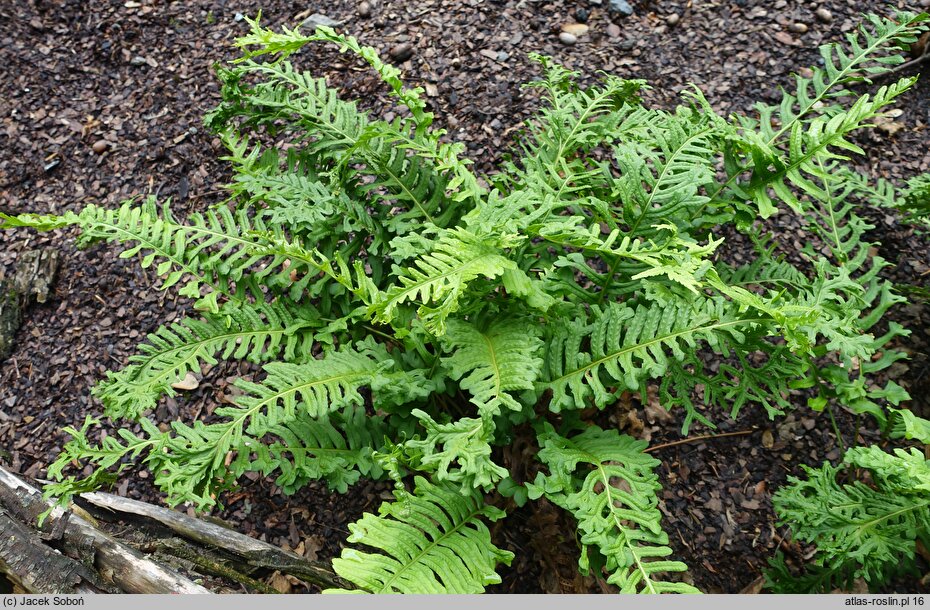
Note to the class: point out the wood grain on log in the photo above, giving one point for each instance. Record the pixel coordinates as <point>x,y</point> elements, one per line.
<point>36,568</point>
<point>254,553</point>
<point>33,277</point>
<point>124,567</point>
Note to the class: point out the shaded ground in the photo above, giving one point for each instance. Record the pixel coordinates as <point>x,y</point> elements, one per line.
<point>103,101</point>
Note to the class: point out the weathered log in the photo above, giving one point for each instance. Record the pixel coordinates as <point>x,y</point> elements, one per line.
<point>125,568</point>
<point>255,554</point>
<point>35,273</point>
<point>10,317</point>
<point>33,277</point>
<point>36,568</point>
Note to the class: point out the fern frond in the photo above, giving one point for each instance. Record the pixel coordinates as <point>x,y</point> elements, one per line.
<point>871,527</point>
<point>458,451</point>
<point>811,145</point>
<point>606,481</point>
<point>661,181</point>
<point>573,122</point>
<point>438,280</point>
<point>628,345</point>
<point>874,48</point>
<point>253,333</point>
<point>667,253</point>
<point>430,541</point>
<point>194,463</point>
<point>215,250</point>
<point>338,448</point>
<point>493,362</point>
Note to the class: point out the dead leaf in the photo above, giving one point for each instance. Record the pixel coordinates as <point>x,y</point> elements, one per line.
<point>754,588</point>
<point>632,425</point>
<point>312,546</point>
<point>280,582</point>
<point>188,383</point>
<point>652,409</point>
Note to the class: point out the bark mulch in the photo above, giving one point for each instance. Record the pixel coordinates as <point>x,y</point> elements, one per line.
<point>102,101</point>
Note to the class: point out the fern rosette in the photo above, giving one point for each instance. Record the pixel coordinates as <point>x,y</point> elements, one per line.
<point>408,318</point>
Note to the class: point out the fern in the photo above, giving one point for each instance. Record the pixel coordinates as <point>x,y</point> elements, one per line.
<point>411,318</point>
<point>866,529</point>
<point>629,345</point>
<point>245,332</point>
<point>492,362</point>
<point>430,541</point>
<point>614,500</point>
<point>441,278</point>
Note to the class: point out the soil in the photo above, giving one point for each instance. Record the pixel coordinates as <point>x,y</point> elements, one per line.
<point>102,101</point>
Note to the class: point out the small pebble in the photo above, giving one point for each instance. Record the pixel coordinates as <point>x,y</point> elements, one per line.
<point>925,3</point>
<point>672,19</point>
<point>582,15</point>
<point>824,15</point>
<point>798,28</point>
<point>364,9</point>
<point>401,52</point>
<point>567,38</point>
<point>613,30</point>
<point>99,146</point>
<point>620,6</point>
<point>138,60</point>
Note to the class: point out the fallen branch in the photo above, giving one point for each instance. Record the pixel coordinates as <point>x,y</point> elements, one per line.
<point>123,567</point>
<point>34,567</point>
<point>254,553</point>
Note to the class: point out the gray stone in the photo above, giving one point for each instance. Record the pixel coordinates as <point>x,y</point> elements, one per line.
<point>317,19</point>
<point>620,6</point>
<point>672,20</point>
<point>798,28</point>
<point>567,38</point>
<point>613,30</point>
<point>364,9</point>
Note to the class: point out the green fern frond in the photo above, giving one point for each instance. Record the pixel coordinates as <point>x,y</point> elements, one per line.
<point>490,363</point>
<point>439,279</point>
<point>458,451</point>
<point>811,145</point>
<point>660,182</point>
<point>338,448</point>
<point>194,463</point>
<point>606,481</point>
<point>873,49</point>
<point>253,333</point>
<point>431,541</point>
<point>628,345</point>
<point>667,253</point>
<point>873,528</point>
<point>215,250</point>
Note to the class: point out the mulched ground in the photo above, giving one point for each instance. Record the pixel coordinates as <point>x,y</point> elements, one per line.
<point>102,101</point>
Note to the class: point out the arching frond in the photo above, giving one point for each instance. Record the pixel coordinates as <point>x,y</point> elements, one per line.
<point>430,541</point>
